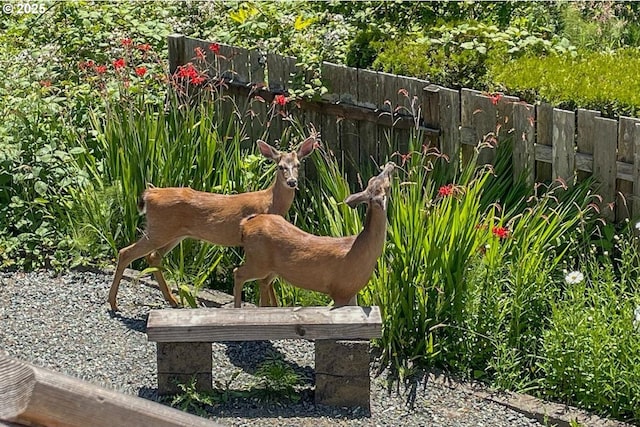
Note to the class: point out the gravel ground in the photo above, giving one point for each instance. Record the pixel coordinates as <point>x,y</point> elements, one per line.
<point>63,323</point>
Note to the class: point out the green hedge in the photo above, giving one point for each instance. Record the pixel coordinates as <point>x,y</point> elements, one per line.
<point>600,81</point>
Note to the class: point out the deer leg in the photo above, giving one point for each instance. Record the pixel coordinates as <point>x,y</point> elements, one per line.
<point>125,257</point>
<point>155,260</point>
<point>241,275</point>
<point>267,294</point>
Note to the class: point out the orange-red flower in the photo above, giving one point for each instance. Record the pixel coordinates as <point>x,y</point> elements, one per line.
<point>119,63</point>
<point>126,42</point>
<point>500,232</point>
<point>100,69</point>
<point>280,100</point>
<point>199,53</point>
<point>144,47</point>
<point>495,98</point>
<point>197,80</point>
<point>446,190</point>
<point>141,71</point>
<point>215,48</point>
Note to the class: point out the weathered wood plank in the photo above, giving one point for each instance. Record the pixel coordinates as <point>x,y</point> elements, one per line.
<point>624,193</point>
<point>562,150</point>
<point>367,96</point>
<point>175,44</point>
<point>584,138</point>
<point>478,118</point>
<point>524,142</point>
<point>35,396</point>
<point>584,162</point>
<point>604,164</point>
<point>544,132</point>
<point>343,82</point>
<point>256,324</point>
<point>330,123</point>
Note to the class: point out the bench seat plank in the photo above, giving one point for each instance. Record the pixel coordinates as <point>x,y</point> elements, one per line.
<point>262,323</point>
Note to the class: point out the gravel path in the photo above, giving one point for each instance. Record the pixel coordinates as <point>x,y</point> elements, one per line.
<point>63,324</point>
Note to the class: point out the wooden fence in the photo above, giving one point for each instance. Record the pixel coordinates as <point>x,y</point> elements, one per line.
<point>366,116</point>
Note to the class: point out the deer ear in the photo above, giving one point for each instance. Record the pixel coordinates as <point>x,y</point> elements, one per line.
<point>268,151</point>
<point>355,199</point>
<point>306,147</point>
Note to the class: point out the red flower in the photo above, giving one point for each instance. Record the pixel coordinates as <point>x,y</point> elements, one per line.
<point>144,47</point>
<point>45,83</point>
<point>126,42</point>
<point>500,232</point>
<point>141,71</point>
<point>187,71</point>
<point>495,98</point>
<point>280,100</point>
<point>199,53</point>
<point>215,48</point>
<point>197,80</point>
<point>100,69</point>
<point>446,190</point>
<point>119,63</point>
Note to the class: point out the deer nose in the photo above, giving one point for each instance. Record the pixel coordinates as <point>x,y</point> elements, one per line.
<point>292,183</point>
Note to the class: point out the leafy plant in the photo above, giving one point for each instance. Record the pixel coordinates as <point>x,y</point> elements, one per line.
<point>277,381</point>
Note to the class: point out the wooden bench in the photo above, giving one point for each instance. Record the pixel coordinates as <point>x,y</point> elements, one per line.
<point>341,337</point>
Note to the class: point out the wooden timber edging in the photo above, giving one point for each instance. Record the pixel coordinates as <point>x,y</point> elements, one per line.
<point>367,115</point>
<point>30,395</point>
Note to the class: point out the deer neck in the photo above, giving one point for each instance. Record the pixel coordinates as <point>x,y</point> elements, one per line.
<point>368,245</point>
<point>281,196</point>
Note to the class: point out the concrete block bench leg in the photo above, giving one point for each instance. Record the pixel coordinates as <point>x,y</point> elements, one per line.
<point>178,362</point>
<point>342,373</point>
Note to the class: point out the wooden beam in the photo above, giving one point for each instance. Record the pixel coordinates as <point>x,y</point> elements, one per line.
<point>264,323</point>
<point>33,396</point>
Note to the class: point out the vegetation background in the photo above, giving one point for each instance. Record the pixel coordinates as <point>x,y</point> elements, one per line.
<point>524,288</point>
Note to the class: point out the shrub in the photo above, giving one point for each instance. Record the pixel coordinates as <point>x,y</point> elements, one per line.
<point>606,82</point>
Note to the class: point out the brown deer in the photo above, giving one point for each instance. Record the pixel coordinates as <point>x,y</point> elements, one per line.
<point>173,214</point>
<point>337,266</point>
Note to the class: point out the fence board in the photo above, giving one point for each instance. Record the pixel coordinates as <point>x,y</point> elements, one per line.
<point>585,135</point>
<point>479,118</point>
<point>344,80</point>
<point>524,142</point>
<point>562,148</point>
<point>367,96</point>
<point>544,132</point>
<point>626,131</point>
<point>279,70</point>
<point>604,164</point>
<point>388,91</point>
<point>175,43</point>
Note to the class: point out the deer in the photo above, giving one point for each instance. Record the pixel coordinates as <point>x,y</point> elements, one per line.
<point>176,213</point>
<point>337,266</point>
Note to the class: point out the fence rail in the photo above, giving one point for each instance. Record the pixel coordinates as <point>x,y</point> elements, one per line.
<point>359,116</point>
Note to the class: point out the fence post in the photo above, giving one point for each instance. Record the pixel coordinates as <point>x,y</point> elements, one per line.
<point>176,51</point>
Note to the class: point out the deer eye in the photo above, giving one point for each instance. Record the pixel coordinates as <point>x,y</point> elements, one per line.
<point>281,167</point>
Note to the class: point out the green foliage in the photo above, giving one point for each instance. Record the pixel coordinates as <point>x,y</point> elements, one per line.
<point>277,381</point>
<point>591,349</point>
<point>607,81</point>
<point>461,55</point>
